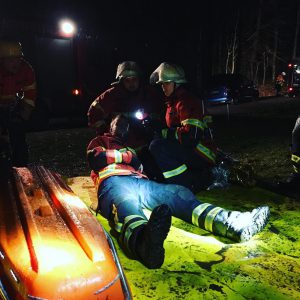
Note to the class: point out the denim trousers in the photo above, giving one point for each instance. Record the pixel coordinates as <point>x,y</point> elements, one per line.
<point>131,194</point>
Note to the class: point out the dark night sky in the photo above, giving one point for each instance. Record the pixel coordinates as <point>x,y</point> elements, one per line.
<point>155,31</point>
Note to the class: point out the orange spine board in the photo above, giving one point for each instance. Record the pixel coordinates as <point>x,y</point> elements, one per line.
<point>51,246</point>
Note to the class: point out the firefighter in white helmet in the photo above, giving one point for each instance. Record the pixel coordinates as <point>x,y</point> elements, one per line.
<point>185,150</point>
<point>17,98</point>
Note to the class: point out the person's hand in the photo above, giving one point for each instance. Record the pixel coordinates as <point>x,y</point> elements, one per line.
<point>152,127</point>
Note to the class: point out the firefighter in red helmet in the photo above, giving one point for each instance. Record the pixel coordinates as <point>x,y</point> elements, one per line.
<point>17,98</point>
<point>184,151</point>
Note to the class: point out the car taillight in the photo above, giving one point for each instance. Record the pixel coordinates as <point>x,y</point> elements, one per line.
<point>76,92</point>
<point>290,89</point>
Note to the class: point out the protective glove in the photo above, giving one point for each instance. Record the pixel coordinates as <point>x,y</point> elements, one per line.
<point>152,127</point>
<point>96,159</point>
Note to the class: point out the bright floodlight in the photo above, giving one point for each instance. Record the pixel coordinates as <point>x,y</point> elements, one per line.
<point>67,28</point>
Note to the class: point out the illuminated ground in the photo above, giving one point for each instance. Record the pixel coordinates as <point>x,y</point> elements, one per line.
<point>200,266</point>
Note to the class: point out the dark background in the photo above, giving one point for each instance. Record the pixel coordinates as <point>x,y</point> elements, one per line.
<point>195,34</point>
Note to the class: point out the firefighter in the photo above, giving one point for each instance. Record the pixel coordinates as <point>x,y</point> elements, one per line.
<point>124,191</point>
<point>279,83</point>
<point>17,98</point>
<point>184,151</point>
<point>292,184</point>
<point>127,95</point>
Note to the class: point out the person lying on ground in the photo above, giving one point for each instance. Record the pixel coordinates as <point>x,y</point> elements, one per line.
<point>124,191</point>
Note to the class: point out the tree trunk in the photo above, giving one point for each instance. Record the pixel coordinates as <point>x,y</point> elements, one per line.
<point>296,34</point>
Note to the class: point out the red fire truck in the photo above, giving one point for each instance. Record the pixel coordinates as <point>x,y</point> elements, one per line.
<point>293,78</point>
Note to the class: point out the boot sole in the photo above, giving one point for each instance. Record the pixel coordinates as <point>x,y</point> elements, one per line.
<point>155,234</point>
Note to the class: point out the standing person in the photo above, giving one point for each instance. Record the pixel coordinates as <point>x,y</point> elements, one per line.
<point>123,192</point>
<point>292,183</point>
<point>127,95</point>
<point>17,98</point>
<point>185,151</point>
<point>279,83</point>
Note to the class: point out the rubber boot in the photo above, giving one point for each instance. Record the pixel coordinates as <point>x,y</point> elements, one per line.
<point>148,243</point>
<point>241,226</point>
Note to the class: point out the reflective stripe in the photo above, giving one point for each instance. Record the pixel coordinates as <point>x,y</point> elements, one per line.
<point>207,152</point>
<point>29,87</point>
<point>128,218</point>
<point>118,227</point>
<point>175,172</point>
<point>98,123</point>
<point>207,119</point>
<point>194,122</point>
<point>176,134</point>
<point>122,150</point>
<point>209,219</point>
<point>130,229</point>
<point>131,149</point>
<point>111,169</point>
<point>29,102</point>
<point>295,158</point>
<point>296,169</point>
<point>164,133</point>
<point>198,211</point>
<point>118,157</point>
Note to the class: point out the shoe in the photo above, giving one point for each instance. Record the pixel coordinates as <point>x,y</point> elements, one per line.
<point>150,250</point>
<point>254,222</point>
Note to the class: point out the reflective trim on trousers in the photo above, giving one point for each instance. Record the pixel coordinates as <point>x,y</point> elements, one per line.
<point>129,230</point>
<point>197,212</point>
<point>175,172</point>
<point>209,219</point>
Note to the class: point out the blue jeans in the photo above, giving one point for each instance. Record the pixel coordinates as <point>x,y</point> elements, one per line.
<point>130,195</point>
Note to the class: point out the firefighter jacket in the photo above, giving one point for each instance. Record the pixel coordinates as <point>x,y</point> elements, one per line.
<point>117,100</point>
<point>188,124</point>
<point>108,156</point>
<point>21,82</point>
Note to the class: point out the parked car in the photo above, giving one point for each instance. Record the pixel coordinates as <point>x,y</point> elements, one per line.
<point>230,88</point>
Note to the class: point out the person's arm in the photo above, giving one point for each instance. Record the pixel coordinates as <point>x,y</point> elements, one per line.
<point>30,93</point>
<point>99,157</point>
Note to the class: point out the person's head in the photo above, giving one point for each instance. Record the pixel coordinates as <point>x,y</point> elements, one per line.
<point>119,127</point>
<point>11,55</point>
<point>128,74</point>
<point>170,76</point>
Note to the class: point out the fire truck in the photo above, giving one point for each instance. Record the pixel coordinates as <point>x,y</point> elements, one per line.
<point>293,78</point>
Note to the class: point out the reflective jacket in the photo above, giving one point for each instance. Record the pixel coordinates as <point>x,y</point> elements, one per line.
<point>111,157</point>
<point>22,81</point>
<point>188,124</point>
<point>117,100</point>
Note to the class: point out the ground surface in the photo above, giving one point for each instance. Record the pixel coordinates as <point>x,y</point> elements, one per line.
<point>199,265</point>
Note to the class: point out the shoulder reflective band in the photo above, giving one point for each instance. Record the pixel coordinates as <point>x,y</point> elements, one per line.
<point>194,122</point>
<point>118,157</point>
<point>209,219</point>
<point>197,212</point>
<point>175,172</point>
<point>207,152</point>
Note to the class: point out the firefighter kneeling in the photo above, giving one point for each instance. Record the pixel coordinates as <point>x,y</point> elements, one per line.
<point>17,98</point>
<point>124,191</point>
